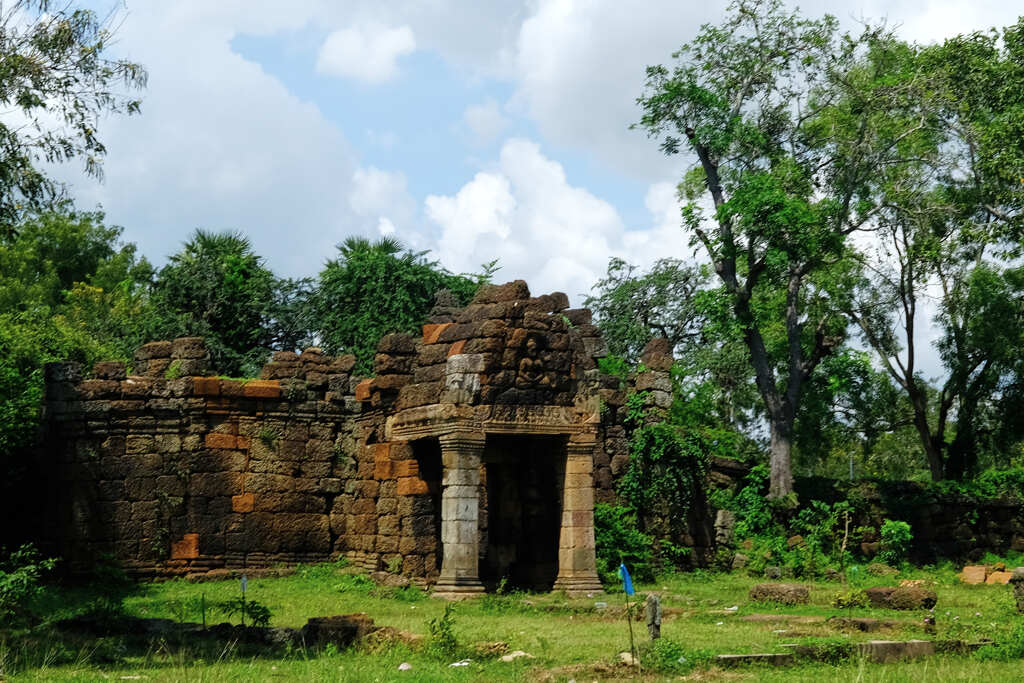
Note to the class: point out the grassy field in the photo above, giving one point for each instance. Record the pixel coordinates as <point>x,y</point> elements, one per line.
<point>569,639</point>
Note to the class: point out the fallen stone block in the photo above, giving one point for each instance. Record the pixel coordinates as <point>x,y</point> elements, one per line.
<point>972,575</point>
<point>902,597</point>
<point>781,593</point>
<point>884,651</point>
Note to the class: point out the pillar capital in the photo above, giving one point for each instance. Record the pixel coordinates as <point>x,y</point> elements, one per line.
<point>463,441</point>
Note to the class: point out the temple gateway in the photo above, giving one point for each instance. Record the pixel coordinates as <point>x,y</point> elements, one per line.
<point>474,455</point>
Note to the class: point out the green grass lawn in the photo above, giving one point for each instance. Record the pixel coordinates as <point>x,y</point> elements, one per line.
<point>568,638</point>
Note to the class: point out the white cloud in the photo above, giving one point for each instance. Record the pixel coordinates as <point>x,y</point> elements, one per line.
<point>368,52</point>
<point>485,121</point>
<point>543,229</point>
<point>381,198</point>
<point>220,145</point>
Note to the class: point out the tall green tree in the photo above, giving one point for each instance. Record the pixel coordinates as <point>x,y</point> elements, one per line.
<point>373,288</point>
<point>56,82</point>
<point>788,121</point>
<point>950,226</point>
<point>221,290</point>
<point>632,307</point>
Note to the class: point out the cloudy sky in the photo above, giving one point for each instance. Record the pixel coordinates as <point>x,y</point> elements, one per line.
<point>477,129</point>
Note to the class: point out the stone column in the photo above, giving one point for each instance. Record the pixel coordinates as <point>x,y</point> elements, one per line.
<point>577,561</point>
<point>460,514</point>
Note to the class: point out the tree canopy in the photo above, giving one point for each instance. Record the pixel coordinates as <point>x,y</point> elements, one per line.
<point>56,82</point>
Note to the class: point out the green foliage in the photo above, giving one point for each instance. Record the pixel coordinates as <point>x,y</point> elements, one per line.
<point>268,436</point>
<point>630,308</point>
<point>829,650</point>
<point>57,80</point>
<point>619,540</point>
<point>668,656</point>
<point>21,571</point>
<point>896,537</point>
<point>851,598</point>
<point>221,290</point>
<point>1012,648</point>
<point>441,640</point>
<point>613,365</point>
<point>349,312</point>
<point>256,613</point>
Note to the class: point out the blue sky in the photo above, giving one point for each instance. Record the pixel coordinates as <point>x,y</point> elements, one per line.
<point>476,130</point>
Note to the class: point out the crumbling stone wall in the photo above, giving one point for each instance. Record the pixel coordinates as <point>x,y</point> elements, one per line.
<point>170,471</point>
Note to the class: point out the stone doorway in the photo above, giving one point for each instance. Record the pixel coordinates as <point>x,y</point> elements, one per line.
<point>521,495</point>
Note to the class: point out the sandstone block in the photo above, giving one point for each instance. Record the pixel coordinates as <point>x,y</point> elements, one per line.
<point>188,348</point>
<point>218,440</point>
<point>781,593</point>
<point>157,349</point>
<point>206,386</point>
<point>973,575</point>
<point>510,291</point>
<point>114,370</point>
<point>412,486</point>
<point>262,388</point>
<point>185,549</point>
<point>245,502</point>
<point>397,343</point>
<point>431,332</point>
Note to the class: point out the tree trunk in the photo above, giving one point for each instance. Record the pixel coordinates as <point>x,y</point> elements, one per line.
<point>781,482</point>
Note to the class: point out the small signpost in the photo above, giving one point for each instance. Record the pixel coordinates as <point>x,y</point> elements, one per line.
<point>245,584</point>
<point>627,588</point>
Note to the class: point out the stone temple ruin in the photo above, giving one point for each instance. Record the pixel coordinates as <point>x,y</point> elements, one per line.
<point>475,453</point>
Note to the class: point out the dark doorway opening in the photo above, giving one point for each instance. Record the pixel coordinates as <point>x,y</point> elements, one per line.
<point>424,513</point>
<point>523,481</point>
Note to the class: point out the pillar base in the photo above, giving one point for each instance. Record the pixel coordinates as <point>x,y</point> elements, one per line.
<point>579,585</point>
<point>457,590</point>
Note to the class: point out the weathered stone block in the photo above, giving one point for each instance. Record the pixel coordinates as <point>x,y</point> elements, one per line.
<point>412,486</point>
<point>781,593</point>
<point>262,388</point>
<point>157,349</point>
<point>245,502</point>
<point>185,549</point>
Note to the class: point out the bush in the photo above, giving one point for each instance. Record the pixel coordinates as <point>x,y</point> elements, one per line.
<point>669,657</point>
<point>1010,649</point>
<point>851,598</point>
<point>619,540</point>
<point>20,575</point>
<point>441,640</point>
<point>895,544</point>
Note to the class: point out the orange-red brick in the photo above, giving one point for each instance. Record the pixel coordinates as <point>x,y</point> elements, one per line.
<point>407,468</point>
<point>457,348</point>
<point>185,549</point>
<point>433,331</point>
<point>218,440</point>
<point>262,388</point>
<point>206,386</point>
<point>363,390</point>
<point>245,502</point>
<point>412,486</point>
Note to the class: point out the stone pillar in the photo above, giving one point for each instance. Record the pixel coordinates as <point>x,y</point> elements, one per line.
<point>577,561</point>
<point>460,514</point>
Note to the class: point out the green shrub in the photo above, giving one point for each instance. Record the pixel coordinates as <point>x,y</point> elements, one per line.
<point>851,598</point>
<point>670,657</point>
<point>1009,649</point>
<point>258,614</point>
<point>619,540</point>
<point>895,544</point>
<point>21,572</point>
<point>441,640</point>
